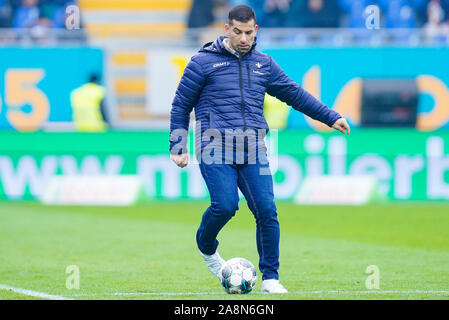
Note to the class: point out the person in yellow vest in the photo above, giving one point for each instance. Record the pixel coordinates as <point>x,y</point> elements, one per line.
<point>88,106</point>
<point>276,112</point>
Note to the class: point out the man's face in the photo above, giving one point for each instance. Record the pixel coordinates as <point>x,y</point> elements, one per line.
<point>241,35</point>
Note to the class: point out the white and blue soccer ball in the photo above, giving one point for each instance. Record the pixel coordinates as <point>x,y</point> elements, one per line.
<point>238,276</point>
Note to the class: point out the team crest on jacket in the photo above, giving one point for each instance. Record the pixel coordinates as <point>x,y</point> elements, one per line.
<point>258,65</point>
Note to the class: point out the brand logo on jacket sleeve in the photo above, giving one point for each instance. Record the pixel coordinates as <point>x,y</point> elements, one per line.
<point>220,64</point>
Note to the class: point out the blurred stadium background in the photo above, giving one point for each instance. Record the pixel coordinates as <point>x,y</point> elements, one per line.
<point>383,64</point>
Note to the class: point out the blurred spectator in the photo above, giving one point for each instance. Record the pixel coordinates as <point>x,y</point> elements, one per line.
<point>443,4</point>
<point>269,13</point>
<point>314,14</point>
<point>355,18</point>
<point>436,31</point>
<point>275,13</point>
<point>400,17</point>
<point>55,11</point>
<point>355,12</point>
<point>40,32</point>
<point>399,13</point>
<point>5,14</point>
<point>27,15</point>
<point>201,14</point>
<point>420,9</point>
<point>34,19</point>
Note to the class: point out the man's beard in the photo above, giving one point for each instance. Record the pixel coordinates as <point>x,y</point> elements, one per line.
<point>240,50</point>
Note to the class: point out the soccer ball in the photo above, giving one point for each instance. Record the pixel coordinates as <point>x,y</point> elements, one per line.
<point>238,276</point>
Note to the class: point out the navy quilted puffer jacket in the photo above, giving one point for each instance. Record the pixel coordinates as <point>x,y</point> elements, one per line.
<point>228,93</point>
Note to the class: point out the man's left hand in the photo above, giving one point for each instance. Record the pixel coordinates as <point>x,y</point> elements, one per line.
<point>342,126</point>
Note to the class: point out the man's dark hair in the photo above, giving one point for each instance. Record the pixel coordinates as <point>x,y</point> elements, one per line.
<point>241,13</point>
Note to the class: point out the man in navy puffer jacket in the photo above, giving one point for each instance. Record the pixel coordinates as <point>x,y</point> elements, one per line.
<point>226,84</point>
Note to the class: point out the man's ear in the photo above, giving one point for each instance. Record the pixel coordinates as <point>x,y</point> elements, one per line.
<point>226,27</point>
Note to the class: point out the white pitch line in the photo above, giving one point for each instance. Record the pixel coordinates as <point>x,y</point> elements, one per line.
<point>302,292</point>
<point>44,295</point>
<point>32,293</point>
<point>373,291</point>
<point>148,294</point>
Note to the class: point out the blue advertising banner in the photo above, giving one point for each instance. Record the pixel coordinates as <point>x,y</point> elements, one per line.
<point>346,79</point>
<point>35,83</point>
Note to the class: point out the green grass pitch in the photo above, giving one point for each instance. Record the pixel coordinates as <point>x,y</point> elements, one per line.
<point>149,251</point>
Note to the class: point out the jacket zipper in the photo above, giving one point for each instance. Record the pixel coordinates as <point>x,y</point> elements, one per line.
<point>242,95</point>
<point>249,77</point>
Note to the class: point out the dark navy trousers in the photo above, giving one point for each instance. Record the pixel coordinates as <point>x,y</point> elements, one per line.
<point>222,180</point>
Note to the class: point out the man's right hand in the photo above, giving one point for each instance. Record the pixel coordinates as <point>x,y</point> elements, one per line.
<point>181,160</point>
